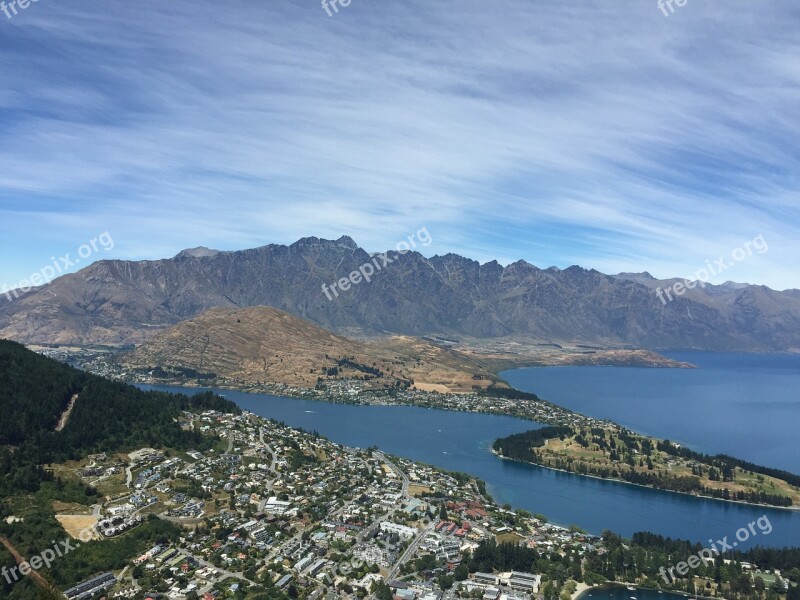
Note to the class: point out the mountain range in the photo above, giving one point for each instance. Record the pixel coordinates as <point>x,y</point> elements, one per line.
<point>117,302</point>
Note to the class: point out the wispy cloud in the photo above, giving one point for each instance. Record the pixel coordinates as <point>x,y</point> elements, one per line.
<point>597,133</point>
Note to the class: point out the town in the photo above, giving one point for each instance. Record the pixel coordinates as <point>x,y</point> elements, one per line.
<point>265,511</point>
<point>365,391</point>
<point>276,508</point>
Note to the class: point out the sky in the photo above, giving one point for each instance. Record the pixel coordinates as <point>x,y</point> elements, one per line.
<point>615,135</point>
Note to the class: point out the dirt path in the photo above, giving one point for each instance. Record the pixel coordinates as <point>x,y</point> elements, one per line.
<point>40,581</point>
<point>62,422</point>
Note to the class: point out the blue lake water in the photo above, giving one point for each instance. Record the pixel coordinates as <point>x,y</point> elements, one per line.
<point>461,441</point>
<point>622,593</point>
<point>744,405</point>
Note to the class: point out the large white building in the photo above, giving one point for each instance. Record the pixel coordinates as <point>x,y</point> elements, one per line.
<point>404,532</point>
<point>275,506</point>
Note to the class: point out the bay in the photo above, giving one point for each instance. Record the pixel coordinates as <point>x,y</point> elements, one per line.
<point>461,442</point>
<point>744,405</point>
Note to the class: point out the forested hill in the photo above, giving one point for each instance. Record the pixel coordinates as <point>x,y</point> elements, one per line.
<point>36,391</point>
<point>619,454</point>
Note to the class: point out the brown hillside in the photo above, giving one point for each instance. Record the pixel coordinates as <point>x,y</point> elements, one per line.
<point>263,344</point>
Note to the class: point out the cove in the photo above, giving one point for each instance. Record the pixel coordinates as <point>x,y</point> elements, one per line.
<point>617,592</point>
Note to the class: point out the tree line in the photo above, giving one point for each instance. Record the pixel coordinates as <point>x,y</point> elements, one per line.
<point>108,416</point>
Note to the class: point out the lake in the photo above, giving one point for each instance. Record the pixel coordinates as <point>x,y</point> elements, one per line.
<point>622,593</point>
<point>744,405</point>
<point>461,441</point>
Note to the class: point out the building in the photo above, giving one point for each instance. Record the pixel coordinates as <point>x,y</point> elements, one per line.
<point>491,593</point>
<point>261,535</point>
<point>301,564</point>
<point>486,578</point>
<point>275,506</point>
<point>317,567</point>
<point>91,586</point>
<point>374,555</point>
<point>524,582</point>
<point>404,532</point>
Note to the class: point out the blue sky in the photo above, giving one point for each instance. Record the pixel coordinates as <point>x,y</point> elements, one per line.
<point>574,132</point>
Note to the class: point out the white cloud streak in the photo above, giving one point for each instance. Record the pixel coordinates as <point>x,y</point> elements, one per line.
<point>597,133</point>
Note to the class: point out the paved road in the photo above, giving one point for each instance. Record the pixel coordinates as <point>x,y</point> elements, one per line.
<point>180,520</point>
<point>274,465</point>
<point>231,438</point>
<point>403,477</point>
<point>225,574</point>
<point>409,552</point>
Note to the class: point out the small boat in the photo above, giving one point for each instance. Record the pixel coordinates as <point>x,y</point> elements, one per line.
<point>631,588</point>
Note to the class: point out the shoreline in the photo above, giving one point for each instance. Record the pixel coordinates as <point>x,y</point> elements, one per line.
<point>582,589</point>
<point>580,594</point>
<point>648,487</point>
<point>232,387</point>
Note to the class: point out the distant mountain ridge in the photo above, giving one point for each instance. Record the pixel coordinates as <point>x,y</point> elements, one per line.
<point>115,302</point>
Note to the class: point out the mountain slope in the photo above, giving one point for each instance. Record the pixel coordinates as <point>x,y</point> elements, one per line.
<point>262,344</point>
<point>106,416</point>
<point>117,302</point>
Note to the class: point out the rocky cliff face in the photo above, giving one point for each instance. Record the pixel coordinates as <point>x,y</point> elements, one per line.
<point>117,302</point>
